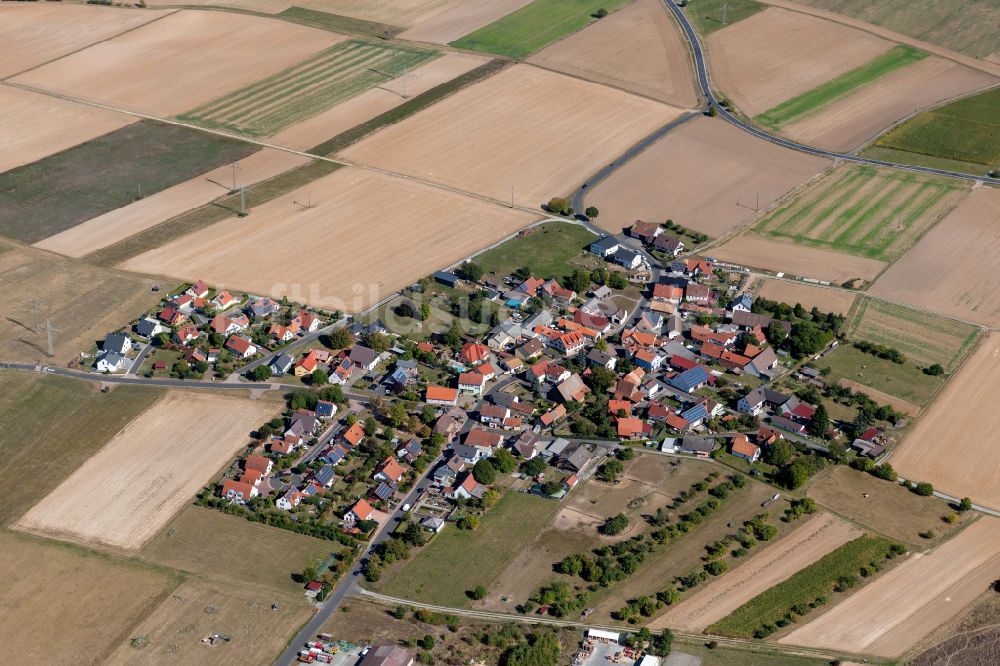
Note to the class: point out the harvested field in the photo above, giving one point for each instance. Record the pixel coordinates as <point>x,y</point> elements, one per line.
<point>953,446</point>
<point>33,126</point>
<point>309,87</point>
<point>907,603</point>
<point>82,301</point>
<point>864,211</point>
<point>971,639</point>
<point>851,120</point>
<point>638,48</point>
<point>173,631</point>
<point>696,174</point>
<point>92,601</point>
<point>192,540</point>
<point>381,217</point>
<point>37,32</point>
<point>378,100</point>
<point>122,223</point>
<point>122,495</point>
<point>529,129</point>
<point>809,542</point>
<point>968,237</point>
<point>397,12</point>
<point>179,62</point>
<point>809,296</point>
<point>461,19</point>
<point>776,55</point>
<point>754,251</point>
<point>57,193</point>
<point>262,6</point>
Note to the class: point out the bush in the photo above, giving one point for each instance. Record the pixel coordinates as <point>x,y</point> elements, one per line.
<point>934,370</point>
<point>717,567</point>
<point>560,206</point>
<point>614,525</point>
<point>925,489</point>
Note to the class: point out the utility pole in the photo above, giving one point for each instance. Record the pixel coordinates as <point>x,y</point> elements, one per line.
<point>34,311</point>
<point>49,330</point>
<point>234,188</point>
<point>725,12</point>
<point>243,202</point>
<point>405,75</point>
<point>140,192</point>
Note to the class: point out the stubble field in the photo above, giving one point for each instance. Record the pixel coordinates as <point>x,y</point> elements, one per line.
<point>529,129</point>
<point>826,300</point>
<point>809,262</point>
<point>121,496</point>
<point>398,12</point>
<point>461,19</point>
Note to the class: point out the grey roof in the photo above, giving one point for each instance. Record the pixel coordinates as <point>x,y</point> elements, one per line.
<point>432,523</point>
<point>363,355</point>
<point>540,318</point>
<point>578,457</point>
<point>146,326</point>
<point>281,363</point>
<point>114,358</point>
<point>606,244</point>
<point>116,342</point>
<point>626,255</point>
<point>700,444</point>
<point>597,356</point>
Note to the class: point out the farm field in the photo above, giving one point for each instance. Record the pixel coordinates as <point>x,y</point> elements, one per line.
<point>547,250</point>
<point>921,594</point>
<point>83,302</point>
<point>379,216</point>
<point>952,446</point>
<point>52,425</point>
<point>864,211</point>
<point>121,496</point>
<point>776,55</point>
<point>173,631</point>
<point>827,300</point>
<point>852,119</point>
<point>262,6</point>
<point>180,61</point>
<point>80,183</point>
<point>398,12</point>
<point>193,539</point>
<point>440,573</point>
<point>375,101</point>
<point>525,128</point>
<point>461,19</point>
<point>138,216</point>
<point>810,262</point>
<point>33,126</point>
<point>93,599</point>
<point>907,381</point>
<point>638,48</point>
<point>309,87</point>
<point>696,174</point>
<point>706,15</point>
<point>816,537</point>
<point>967,237</point>
<point>534,26</point>
<point>972,633</point>
<point>67,28</point>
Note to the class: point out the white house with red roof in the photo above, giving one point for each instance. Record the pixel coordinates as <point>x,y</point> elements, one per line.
<point>241,347</point>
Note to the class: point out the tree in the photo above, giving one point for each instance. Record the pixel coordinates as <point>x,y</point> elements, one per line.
<point>591,212</point>
<point>425,311</point>
<point>780,453</point>
<point>559,206</point>
<point>491,497</point>
<point>600,379</point>
<point>261,373</point>
<point>398,414</point>
<point>775,333</point>
<point>965,504</point>
<point>610,471</point>
<point>484,472</point>
<point>540,650</point>
<point>579,281</point>
<point>617,280</point>
<point>370,426</point>
<point>934,370</point>
<point>319,377</point>
<point>477,593</point>
<point>716,567</point>
<point>406,310</point>
<point>339,338</point>
<point>819,425</point>
<point>413,535</point>
<point>468,523</point>
<point>712,111</point>
<point>427,642</point>
<point>925,489</point>
<point>504,461</point>
<point>614,525</point>
<point>885,471</point>
<point>471,271</point>
<point>379,342</point>
<point>600,13</point>
<point>535,466</point>
<point>551,487</point>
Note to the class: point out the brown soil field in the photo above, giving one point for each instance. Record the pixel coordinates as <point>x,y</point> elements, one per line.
<point>638,48</point>
<point>35,33</point>
<point>889,508</point>
<point>33,126</point>
<point>851,120</point>
<point>777,54</point>
<point>173,631</point>
<point>175,64</point>
<point>367,105</point>
<point>459,20</point>
<point>397,12</point>
<point>882,398</point>
<point>810,262</point>
<point>968,237</point>
<point>123,494</point>
<point>66,604</point>
<point>366,236</point>
<point>898,609</point>
<point>954,446</point>
<point>263,6</point>
<point>971,639</point>
<point>121,223</point>
<point>696,175</point>
<point>526,128</point>
<point>83,302</point>
<point>836,301</point>
<point>819,535</point>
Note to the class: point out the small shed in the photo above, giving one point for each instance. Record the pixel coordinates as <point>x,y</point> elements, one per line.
<point>447,279</point>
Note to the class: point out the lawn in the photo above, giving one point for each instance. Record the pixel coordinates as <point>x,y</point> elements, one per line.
<point>903,380</point>
<point>535,26</point>
<point>967,130</point>
<point>547,250</point>
<point>458,560</point>
<point>51,426</point>
<point>814,581</point>
<point>51,195</point>
<point>900,55</point>
<point>337,23</point>
<point>706,15</point>
<point>314,85</point>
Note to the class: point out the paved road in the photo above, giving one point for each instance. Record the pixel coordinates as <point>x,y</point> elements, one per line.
<point>165,382</point>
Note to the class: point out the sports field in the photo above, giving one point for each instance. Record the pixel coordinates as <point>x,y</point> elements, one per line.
<point>535,26</point>
<point>309,87</point>
<point>864,211</point>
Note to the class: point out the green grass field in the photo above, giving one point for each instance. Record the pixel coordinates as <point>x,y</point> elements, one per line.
<point>58,192</point>
<point>902,380</point>
<point>458,560</point>
<point>916,159</point>
<point>534,26</point>
<point>816,580</point>
<point>338,23</point>
<point>546,250</point>
<point>706,15</point>
<point>314,85</point>
<point>967,130</point>
<point>864,211</point>
<point>899,56</point>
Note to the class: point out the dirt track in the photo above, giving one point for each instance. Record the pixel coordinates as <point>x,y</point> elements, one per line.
<point>756,252</point>
<point>827,300</point>
<point>460,20</point>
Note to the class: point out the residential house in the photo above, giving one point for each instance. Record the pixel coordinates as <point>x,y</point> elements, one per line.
<point>364,358</point>
<point>404,375</point>
<point>354,435</point>
<point>668,293</point>
<point>529,349</point>
<point>450,424</point>
<point>788,425</point>
<point>308,364</point>
<point>763,363</point>
<point>658,412</point>
<point>433,524</point>
<point>440,395</point>
<point>241,347</point>
<point>570,344</point>
<point>110,362</point>
<point>361,510</point>
<point>281,364</point>
<point>742,303</point>
<point>223,301</point>
<point>384,491</point>
<point>389,470</point>
<point>280,333</point>
<point>484,442</point>
<point>525,444</point>
<point>605,247</point>
<point>557,292</point>
<point>573,389</point>
<point>648,360</point>
<point>645,231</point>
<point>493,415</point>
<point>741,447</point>
<point>628,258</point>
<point>597,358</point>
<point>487,371</point>
<point>695,415</point>
<point>553,416</point>
<point>302,423</point>
<point>632,428</point>
<point>699,446</point>
<point>291,499</point>
<point>118,343</point>
<point>696,293</point>
<point>148,327</point>
<point>410,451</point>
<point>239,491</point>
<point>690,380</point>
<point>474,353</point>
<point>576,457</point>
<point>750,320</point>
<point>186,334</point>
<point>261,464</point>
<point>306,321</point>
<point>172,316</point>
<point>471,383</point>
<point>198,290</point>
<point>669,245</point>
<point>262,308</point>
<point>447,472</point>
